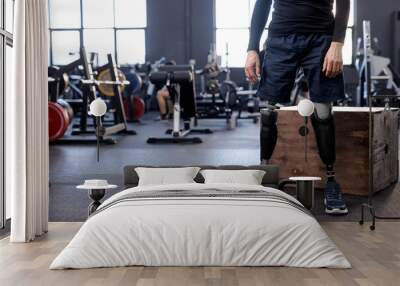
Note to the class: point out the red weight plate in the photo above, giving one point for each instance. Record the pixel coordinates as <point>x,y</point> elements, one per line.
<point>58,121</point>
<point>138,108</point>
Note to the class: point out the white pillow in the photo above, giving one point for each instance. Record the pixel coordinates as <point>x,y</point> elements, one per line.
<point>166,176</point>
<point>245,177</point>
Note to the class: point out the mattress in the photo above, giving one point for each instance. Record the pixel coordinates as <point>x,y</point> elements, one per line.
<point>201,225</point>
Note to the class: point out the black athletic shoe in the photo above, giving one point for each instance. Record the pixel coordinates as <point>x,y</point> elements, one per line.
<point>334,203</point>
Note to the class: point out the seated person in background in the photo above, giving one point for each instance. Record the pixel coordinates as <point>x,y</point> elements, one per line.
<point>164,103</point>
<point>164,100</point>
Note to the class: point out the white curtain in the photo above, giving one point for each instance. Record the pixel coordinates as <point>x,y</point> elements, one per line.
<point>27,125</point>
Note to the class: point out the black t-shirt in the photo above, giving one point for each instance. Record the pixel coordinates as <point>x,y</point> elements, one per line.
<point>299,17</point>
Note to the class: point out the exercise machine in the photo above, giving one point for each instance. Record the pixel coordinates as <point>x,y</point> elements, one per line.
<point>369,95</point>
<point>217,101</point>
<point>238,98</point>
<point>116,83</point>
<point>221,97</point>
<point>89,89</point>
<point>180,83</point>
<point>144,71</point>
<point>383,78</point>
<point>60,111</point>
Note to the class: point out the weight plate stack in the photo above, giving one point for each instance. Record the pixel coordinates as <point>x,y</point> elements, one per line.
<point>68,108</point>
<point>58,121</point>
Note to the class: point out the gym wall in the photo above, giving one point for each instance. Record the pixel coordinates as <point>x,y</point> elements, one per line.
<point>179,29</point>
<point>183,30</point>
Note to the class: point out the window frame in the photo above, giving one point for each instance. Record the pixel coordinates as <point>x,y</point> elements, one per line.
<point>81,30</point>
<point>349,27</point>
<point>6,39</point>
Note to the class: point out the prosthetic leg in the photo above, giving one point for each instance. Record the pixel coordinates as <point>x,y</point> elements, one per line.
<point>324,129</point>
<point>269,133</point>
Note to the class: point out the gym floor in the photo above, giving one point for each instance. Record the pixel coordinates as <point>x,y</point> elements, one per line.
<point>70,165</point>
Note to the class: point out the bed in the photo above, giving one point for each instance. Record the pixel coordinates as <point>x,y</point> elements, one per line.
<point>201,224</point>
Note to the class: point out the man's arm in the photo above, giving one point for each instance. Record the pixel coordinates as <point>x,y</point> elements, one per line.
<point>333,64</point>
<point>258,22</point>
<point>341,20</point>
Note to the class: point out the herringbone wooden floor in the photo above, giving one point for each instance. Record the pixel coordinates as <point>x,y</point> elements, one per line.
<point>375,257</point>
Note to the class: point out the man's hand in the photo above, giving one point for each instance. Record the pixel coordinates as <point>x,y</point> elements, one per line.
<point>333,63</point>
<point>252,68</point>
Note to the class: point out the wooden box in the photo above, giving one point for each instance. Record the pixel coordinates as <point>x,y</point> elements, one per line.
<point>352,148</point>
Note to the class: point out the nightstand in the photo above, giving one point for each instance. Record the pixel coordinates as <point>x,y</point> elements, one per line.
<point>305,190</point>
<point>96,191</point>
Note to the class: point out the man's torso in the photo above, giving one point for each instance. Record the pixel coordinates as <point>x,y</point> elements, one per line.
<point>302,16</point>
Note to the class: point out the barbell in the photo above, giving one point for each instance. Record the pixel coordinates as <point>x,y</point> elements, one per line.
<point>107,83</point>
<point>104,77</point>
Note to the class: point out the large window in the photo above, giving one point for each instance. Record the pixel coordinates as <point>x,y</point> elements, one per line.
<point>6,42</point>
<point>101,26</point>
<point>232,24</point>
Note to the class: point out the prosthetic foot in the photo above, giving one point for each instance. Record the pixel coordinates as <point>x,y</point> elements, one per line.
<point>325,135</point>
<point>334,203</point>
<point>269,133</point>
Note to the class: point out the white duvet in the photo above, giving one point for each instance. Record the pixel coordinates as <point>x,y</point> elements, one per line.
<point>200,232</point>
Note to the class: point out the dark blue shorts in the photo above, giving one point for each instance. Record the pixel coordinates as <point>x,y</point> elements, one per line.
<point>285,55</point>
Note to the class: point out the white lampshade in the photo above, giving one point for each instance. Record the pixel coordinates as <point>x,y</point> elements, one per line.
<point>305,108</point>
<point>98,108</point>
